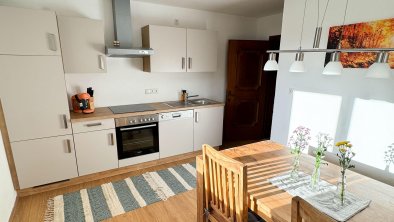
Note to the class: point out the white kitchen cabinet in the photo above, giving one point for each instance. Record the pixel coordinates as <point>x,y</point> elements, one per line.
<point>179,49</point>
<point>34,98</point>
<point>208,126</point>
<point>43,161</point>
<point>201,50</point>
<point>169,44</point>
<point>28,32</point>
<point>82,44</point>
<point>96,151</point>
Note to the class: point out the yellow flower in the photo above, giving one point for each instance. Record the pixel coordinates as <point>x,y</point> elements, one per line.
<point>342,150</point>
<point>341,143</point>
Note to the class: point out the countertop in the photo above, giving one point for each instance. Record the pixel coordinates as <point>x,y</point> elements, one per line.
<point>105,113</point>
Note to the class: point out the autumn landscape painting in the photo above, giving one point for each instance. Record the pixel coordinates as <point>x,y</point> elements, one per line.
<point>375,34</point>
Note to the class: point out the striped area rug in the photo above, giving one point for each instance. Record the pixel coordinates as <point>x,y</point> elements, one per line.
<point>115,198</point>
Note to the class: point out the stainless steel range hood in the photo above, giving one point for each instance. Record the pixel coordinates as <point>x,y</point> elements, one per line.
<point>123,35</point>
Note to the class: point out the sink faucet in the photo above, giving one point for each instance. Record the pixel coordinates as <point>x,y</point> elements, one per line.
<point>185,96</point>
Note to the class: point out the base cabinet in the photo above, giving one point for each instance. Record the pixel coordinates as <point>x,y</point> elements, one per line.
<point>208,127</point>
<point>96,151</point>
<point>44,161</point>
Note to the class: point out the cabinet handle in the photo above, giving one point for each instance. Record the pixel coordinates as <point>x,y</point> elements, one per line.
<point>183,63</point>
<point>190,63</point>
<point>52,42</point>
<point>65,121</point>
<point>93,124</point>
<point>111,136</point>
<point>196,117</point>
<point>102,64</point>
<point>68,146</point>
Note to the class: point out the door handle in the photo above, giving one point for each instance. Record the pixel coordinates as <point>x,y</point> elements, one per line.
<point>112,140</point>
<point>190,63</point>
<point>52,41</point>
<point>65,121</point>
<point>68,146</point>
<point>102,63</point>
<point>196,117</point>
<point>183,63</point>
<point>93,124</point>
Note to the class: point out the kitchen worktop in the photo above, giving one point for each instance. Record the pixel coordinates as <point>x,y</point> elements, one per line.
<point>106,113</point>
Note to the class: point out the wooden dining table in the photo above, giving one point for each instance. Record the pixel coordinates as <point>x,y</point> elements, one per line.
<point>268,159</point>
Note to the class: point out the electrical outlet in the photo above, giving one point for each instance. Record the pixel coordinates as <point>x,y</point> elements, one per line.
<point>154,91</point>
<point>148,91</point>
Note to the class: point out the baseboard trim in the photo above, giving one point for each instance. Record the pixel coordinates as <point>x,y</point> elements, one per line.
<point>104,174</point>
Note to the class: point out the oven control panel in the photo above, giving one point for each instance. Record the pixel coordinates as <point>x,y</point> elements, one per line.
<point>136,120</point>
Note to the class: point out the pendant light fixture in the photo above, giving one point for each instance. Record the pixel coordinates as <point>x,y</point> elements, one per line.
<point>380,69</point>
<point>271,64</point>
<point>316,41</point>
<point>334,67</point>
<point>298,64</point>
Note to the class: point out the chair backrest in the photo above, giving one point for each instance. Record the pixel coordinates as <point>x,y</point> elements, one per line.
<point>224,187</point>
<point>302,211</point>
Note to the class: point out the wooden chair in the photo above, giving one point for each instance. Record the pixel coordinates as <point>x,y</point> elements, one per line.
<point>302,211</point>
<point>225,188</point>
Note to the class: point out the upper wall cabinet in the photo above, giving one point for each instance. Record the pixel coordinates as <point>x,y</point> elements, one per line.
<point>201,51</point>
<point>82,43</point>
<point>169,44</point>
<point>28,32</point>
<point>179,49</point>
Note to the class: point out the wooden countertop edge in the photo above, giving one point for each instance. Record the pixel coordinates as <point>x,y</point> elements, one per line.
<point>105,113</point>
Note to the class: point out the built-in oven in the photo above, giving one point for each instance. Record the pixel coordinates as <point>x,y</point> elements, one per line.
<point>137,136</point>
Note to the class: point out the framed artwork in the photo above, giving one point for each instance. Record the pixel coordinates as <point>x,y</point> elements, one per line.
<point>375,34</point>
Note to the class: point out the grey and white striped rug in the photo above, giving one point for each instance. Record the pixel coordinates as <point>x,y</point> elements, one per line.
<point>115,198</point>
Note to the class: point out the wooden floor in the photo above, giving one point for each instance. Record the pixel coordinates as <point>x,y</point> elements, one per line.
<point>181,207</point>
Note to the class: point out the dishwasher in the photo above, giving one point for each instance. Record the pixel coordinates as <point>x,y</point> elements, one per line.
<point>175,133</point>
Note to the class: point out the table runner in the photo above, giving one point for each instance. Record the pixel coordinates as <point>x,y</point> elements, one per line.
<point>323,199</point>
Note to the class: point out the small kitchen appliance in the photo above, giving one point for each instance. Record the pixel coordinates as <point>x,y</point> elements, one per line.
<point>82,103</point>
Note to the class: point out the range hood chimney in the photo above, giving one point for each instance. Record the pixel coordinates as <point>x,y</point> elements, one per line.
<point>123,33</point>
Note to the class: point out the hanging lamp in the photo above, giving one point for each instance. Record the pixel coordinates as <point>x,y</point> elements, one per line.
<point>271,64</point>
<point>380,69</point>
<point>298,64</point>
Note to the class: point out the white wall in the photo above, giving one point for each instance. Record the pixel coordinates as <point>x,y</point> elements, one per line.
<point>269,25</point>
<point>125,81</point>
<point>351,86</point>
<point>7,192</point>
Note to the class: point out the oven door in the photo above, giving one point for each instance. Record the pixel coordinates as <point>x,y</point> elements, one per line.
<point>137,140</point>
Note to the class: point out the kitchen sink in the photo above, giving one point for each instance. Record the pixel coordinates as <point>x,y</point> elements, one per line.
<point>201,101</point>
<point>190,103</point>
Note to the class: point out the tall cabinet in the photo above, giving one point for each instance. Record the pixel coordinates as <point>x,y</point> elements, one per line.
<point>34,98</point>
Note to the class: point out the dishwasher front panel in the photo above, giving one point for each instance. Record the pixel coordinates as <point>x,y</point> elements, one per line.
<point>176,134</point>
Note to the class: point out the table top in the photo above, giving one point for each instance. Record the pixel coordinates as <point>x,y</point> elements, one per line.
<point>268,159</point>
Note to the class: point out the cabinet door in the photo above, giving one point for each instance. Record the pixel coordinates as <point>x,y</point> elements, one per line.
<point>169,44</point>
<point>44,160</point>
<point>83,46</point>
<point>28,32</point>
<point>201,50</point>
<point>33,95</point>
<point>208,127</point>
<point>96,151</point>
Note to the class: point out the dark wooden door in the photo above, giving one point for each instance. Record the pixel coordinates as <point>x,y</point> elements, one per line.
<point>250,92</point>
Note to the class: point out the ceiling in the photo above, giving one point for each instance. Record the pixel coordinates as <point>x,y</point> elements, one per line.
<point>248,8</point>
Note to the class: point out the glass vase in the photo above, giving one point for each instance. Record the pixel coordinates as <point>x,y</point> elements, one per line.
<point>341,190</point>
<point>315,177</point>
<point>296,167</point>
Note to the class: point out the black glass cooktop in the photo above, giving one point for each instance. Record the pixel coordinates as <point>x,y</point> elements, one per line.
<point>131,108</point>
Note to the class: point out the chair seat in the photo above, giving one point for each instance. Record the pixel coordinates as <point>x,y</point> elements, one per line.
<point>253,217</point>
